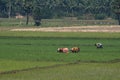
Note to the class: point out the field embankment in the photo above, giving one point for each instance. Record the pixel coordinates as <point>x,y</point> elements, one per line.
<point>73,29</point>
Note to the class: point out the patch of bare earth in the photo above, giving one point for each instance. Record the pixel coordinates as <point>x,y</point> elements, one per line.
<point>114,28</point>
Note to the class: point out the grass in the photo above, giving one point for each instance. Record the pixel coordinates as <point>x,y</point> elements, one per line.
<point>82,71</point>
<point>54,22</point>
<point>11,65</point>
<point>41,48</point>
<point>23,50</point>
<point>76,35</point>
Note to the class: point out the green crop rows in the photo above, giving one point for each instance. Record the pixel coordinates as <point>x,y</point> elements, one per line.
<point>23,50</point>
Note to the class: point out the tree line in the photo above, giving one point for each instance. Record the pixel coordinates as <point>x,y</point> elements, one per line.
<point>41,9</point>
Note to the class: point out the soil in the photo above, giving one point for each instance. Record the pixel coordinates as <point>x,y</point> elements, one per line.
<point>114,28</point>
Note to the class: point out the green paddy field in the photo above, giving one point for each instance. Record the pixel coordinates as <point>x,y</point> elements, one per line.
<point>33,56</point>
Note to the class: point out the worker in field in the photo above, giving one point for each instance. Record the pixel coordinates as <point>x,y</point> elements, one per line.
<point>99,45</point>
<point>63,50</point>
<point>75,49</point>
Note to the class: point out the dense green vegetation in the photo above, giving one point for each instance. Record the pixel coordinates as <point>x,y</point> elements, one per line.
<point>116,9</point>
<point>40,9</point>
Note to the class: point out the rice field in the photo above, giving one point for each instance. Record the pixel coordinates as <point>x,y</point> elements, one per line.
<point>33,55</point>
<point>84,71</point>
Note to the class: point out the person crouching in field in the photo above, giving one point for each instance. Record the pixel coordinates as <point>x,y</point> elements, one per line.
<point>75,49</point>
<point>99,45</point>
<point>63,50</point>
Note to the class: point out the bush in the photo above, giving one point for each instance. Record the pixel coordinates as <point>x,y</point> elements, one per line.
<point>86,17</point>
<point>100,16</point>
<point>3,15</point>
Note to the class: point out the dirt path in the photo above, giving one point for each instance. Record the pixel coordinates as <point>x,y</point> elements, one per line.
<point>73,29</point>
